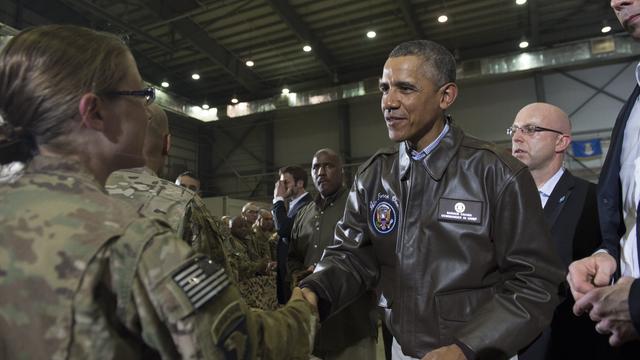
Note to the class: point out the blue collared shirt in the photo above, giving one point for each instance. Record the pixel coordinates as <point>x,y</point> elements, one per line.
<point>419,155</point>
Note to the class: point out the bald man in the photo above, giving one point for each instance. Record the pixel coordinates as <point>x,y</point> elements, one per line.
<point>154,196</point>
<point>540,136</point>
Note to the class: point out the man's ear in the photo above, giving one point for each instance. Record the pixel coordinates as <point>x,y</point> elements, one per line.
<point>166,144</point>
<point>563,143</point>
<point>449,95</point>
<point>90,115</point>
<point>300,184</point>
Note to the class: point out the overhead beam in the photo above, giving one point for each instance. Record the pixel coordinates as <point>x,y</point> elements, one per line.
<point>409,15</point>
<point>200,39</point>
<point>95,10</point>
<point>302,30</point>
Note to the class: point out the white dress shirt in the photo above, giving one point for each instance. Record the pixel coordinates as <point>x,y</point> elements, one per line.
<point>547,188</point>
<point>630,180</point>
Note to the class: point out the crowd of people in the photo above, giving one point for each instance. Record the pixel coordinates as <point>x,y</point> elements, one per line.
<point>456,248</point>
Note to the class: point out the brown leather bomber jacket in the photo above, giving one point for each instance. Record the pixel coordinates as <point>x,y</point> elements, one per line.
<point>456,245</point>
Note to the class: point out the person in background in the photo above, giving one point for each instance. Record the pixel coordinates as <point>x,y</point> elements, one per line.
<point>351,332</point>
<point>606,285</point>
<point>189,180</point>
<point>289,196</point>
<point>540,137</point>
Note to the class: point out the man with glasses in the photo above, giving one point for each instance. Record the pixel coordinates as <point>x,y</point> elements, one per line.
<point>445,227</point>
<point>540,137</point>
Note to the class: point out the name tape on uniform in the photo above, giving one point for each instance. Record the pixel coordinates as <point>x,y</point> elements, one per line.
<point>460,211</point>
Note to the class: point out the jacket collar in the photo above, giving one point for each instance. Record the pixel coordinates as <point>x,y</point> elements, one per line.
<point>437,161</point>
<point>322,203</point>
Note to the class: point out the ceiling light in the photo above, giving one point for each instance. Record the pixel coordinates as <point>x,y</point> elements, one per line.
<point>605,29</point>
<point>523,44</point>
<point>285,91</point>
<point>234,100</point>
<point>306,48</point>
<point>195,76</point>
<point>371,34</point>
<point>165,84</point>
<point>521,2</point>
<point>249,63</point>
<point>443,18</point>
<point>205,106</point>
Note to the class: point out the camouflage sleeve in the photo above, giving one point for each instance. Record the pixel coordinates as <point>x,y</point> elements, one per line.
<point>185,305</point>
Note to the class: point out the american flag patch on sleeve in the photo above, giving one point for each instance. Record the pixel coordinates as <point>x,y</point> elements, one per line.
<point>201,280</point>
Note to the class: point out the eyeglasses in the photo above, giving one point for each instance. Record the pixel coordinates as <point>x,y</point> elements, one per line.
<point>529,130</point>
<point>149,94</point>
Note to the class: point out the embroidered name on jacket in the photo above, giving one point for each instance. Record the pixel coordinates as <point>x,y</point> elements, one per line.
<point>384,213</point>
<point>201,280</point>
<point>460,211</point>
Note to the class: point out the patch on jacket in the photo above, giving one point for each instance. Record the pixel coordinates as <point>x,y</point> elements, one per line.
<point>201,280</point>
<point>460,211</point>
<point>384,214</point>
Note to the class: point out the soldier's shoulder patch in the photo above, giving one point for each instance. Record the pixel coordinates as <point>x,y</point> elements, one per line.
<point>201,280</point>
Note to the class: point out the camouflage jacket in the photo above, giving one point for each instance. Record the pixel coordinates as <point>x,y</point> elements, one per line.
<point>264,242</point>
<point>83,275</point>
<point>185,211</point>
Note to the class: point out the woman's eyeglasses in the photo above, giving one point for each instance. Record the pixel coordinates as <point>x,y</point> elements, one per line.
<point>149,94</point>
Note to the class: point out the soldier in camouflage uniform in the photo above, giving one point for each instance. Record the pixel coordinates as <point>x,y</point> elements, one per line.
<point>82,274</point>
<point>179,206</point>
<point>256,277</point>
<point>265,234</point>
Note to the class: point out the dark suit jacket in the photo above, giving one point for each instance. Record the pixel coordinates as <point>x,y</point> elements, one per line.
<point>610,201</point>
<point>283,220</point>
<point>571,213</point>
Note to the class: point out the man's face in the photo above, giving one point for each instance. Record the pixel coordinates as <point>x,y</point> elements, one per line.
<point>289,185</point>
<point>250,214</point>
<point>266,222</point>
<point>326,173</point>
<point>411,102</point>
<point>628,13</point>
<point>190,183</point>
<point>536,150</point>
<point>240,228</point>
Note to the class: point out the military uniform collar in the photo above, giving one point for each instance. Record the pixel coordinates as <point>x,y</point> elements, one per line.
<point>437,161</point>
<point>62,165</point>
<point>143,170</point>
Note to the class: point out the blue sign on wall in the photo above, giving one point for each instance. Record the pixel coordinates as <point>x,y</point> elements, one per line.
<point>586,148</point>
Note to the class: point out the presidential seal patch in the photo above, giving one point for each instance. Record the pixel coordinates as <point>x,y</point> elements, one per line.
<point>384,215</point>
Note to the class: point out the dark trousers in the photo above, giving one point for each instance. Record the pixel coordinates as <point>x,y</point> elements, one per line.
<point>283,288</point>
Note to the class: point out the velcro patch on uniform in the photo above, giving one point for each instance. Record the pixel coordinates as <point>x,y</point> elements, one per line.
<point>460,211</point>
<point>201,280</point>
